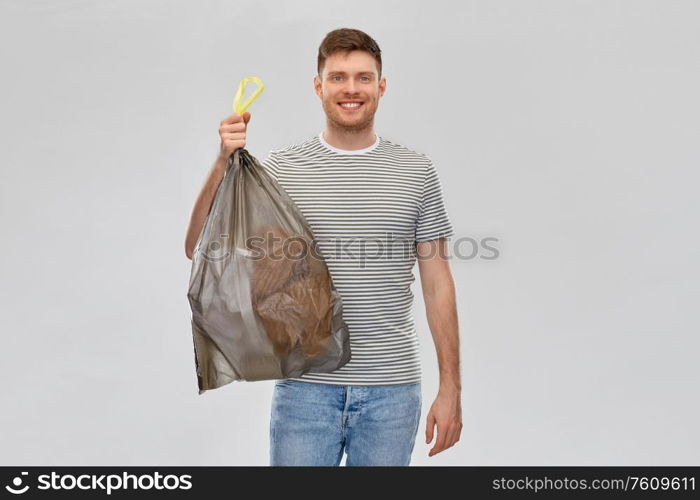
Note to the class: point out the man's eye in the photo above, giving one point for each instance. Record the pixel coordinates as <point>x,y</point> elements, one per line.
<point>336,76</point>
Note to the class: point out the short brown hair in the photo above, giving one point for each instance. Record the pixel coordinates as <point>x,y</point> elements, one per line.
<point>345,40</point>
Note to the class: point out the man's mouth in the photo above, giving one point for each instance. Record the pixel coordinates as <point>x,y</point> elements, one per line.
<point>351,105</point>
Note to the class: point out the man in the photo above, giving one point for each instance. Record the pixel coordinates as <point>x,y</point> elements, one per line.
<point>365,197</point>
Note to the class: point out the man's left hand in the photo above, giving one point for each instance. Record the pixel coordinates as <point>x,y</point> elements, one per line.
<point>446,413</point>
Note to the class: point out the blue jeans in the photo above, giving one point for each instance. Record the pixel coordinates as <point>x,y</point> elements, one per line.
<point>311,424</point>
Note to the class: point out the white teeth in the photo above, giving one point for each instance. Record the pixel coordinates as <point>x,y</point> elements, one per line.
<point>350,104</point>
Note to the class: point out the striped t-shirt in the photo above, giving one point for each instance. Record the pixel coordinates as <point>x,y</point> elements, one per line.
<point>367,208</point>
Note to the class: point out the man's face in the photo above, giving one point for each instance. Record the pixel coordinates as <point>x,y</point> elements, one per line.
<point>350,76</point>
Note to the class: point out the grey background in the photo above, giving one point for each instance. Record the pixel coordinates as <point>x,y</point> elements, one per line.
<point>568,130</point>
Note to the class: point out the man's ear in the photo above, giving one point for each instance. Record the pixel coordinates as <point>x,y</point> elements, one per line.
<point>317,86</point>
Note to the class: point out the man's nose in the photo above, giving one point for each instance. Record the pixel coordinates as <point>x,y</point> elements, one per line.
<point>350,86</point>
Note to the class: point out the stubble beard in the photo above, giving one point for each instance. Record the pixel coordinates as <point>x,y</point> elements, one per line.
<point>335,118</point>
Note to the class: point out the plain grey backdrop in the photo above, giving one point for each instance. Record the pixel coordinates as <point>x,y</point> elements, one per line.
<point>567,130</point>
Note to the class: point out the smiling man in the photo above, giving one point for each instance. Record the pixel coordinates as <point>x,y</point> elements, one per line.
<point>375,207</point>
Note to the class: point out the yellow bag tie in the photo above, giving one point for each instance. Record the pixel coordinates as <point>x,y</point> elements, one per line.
<point>237,107</point>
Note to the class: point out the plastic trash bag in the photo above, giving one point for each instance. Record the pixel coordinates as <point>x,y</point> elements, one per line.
<point>263,301</point>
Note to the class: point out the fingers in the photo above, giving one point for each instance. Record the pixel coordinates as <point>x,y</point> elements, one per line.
<point>233,127</point>
<point>429,427</point>
<point>456,433</point>
<point>232,142</point>
<point>234,118</point>
<point>452,437</point>
<point>448,435</point>
<point>440,442</point>
<point>236,136</point>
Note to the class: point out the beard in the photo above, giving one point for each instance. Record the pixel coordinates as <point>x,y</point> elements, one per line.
<point>347,122</point>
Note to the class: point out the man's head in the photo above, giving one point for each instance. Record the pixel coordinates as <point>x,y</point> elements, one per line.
<point>349,70</point>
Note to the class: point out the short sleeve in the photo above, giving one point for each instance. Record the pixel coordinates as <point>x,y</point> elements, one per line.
<point>433,220</point>
<point>270,164</point>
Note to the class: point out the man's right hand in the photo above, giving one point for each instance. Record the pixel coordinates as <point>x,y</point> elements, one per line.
<point>232,132</point>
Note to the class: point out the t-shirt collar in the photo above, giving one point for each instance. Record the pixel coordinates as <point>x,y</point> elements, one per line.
<point>348,151</point>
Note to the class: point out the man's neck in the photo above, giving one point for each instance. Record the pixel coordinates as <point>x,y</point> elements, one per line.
<point>349,140</point>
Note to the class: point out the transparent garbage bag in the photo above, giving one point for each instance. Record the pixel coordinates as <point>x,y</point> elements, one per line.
<point>263,301</point>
